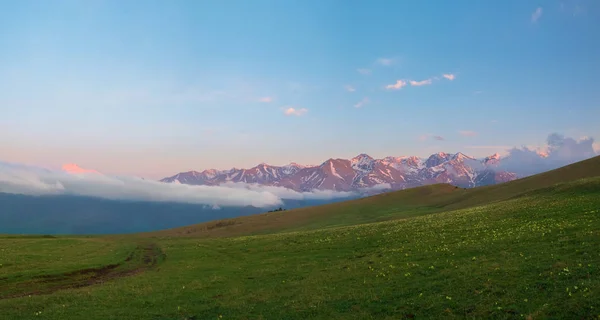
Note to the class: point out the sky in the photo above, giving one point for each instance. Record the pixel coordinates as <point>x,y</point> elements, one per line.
<point>154,88</point>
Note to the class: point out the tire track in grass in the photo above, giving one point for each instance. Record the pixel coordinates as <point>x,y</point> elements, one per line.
<point>143,258</point>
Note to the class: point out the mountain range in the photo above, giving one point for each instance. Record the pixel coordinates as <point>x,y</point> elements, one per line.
<point>361,173</point>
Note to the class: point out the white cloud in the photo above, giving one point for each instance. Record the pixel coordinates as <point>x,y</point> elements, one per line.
<point>449,76</point>
<point>558,152</point>
<point>350,88</point>
<point>385,61</point>
<point>396,86</point>
<point>289,194</point>
<point>362,103</point>
<point>536,15</point>
<point>20,179</point>
<point>364,71</point>
<point>295,112</point>
<point>596,146</point>
<point>467,133</point>
<point>420,83</point>
<point>266,99</point>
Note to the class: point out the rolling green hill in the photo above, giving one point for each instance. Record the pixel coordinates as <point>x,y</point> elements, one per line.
<point>527,249</point>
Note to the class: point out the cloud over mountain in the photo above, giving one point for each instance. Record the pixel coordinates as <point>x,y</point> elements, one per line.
<point>560,151</point>
<point>20,179</point>
<point>335,178</point>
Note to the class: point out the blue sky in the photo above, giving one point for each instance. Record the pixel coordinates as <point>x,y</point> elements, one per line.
<point>157,87</point>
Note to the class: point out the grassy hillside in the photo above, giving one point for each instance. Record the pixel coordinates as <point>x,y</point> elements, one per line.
<point>531,257</point>
<point>393,205</point>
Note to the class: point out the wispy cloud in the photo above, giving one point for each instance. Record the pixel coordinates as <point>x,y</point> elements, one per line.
<point>477,92</point>
<point>573,8</point>
<point>295,112</point>
<point>536,15</point>
<point>467,133</point>
<point>350,88</point>
<point>416,83</point>
<point>431,136</point>
<point>362,103</point>
<point>385,61</point>
<point>420,83</point>
<point>489,147</point>
<point>364,71</point>
<point>266,99</point>
<point>396,86</point>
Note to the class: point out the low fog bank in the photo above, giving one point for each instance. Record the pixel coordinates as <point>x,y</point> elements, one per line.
<point>26,180</point>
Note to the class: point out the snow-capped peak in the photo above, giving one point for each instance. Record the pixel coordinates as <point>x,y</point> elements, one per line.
<point>362,157</point>
<point>494,156</point>
<point>294,165</point>
<point>461,156</point>
<point>292,168</point>
<point>362,162</point>
<point>492,160</point>
<point>436,159</point>
<point>209,173</point>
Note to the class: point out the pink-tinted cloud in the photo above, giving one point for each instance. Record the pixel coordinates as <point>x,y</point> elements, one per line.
<point>295,112</point>
<point>396,86</point>
<point>364,71</point>
<point>73,168</point>
<point>362,102</point>
<point>350,88</point>
<point>467,133</point>
<point>266,99</point>
<point>420,83</point>
<point>536,15</point>
<point>449,76</point>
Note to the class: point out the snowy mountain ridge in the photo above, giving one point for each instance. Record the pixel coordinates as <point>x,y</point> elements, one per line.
<point>360,172</point>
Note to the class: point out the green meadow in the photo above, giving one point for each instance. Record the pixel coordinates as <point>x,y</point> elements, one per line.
<point>527,249</point>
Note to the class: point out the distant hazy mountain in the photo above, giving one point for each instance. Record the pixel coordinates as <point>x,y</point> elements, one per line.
<point>361,172</point>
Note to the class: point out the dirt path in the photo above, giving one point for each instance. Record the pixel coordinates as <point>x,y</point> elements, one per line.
<point>143,258</point>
